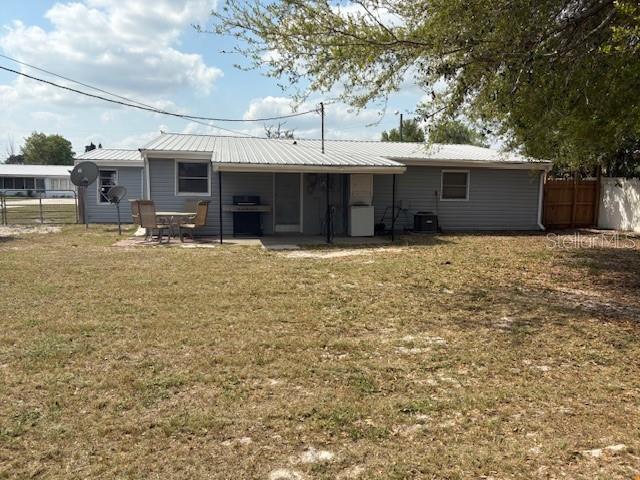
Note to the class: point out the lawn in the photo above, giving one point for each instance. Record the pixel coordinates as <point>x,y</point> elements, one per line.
<point>50,212</point>
<point>460,356</point>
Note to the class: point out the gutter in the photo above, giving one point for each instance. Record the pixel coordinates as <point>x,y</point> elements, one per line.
<point>541,200</point>
<point>147,176</point>
<point>293,168</point>
<point>416,162</point>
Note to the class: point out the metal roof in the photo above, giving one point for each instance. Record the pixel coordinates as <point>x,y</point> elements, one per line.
<point>35,170</point>
<point>177,142</point>
<point>259,151</point>
<point>420,151</point>
<point>110,154</point>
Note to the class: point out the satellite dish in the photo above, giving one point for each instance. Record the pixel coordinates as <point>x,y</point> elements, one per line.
<point>84,174</point>
<point>115,195</point>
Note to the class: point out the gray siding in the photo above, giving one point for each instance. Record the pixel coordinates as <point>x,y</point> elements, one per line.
<point>162,180</point>
<point>130,178</point>
<point>498,199</point>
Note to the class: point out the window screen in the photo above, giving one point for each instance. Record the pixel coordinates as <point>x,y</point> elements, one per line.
<point>107,179</point>
<point>455,185</point>
<point>193,177</point>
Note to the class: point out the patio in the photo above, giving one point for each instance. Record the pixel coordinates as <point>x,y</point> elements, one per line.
<point>271,242</point>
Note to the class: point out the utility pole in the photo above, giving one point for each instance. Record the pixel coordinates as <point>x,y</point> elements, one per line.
<point>322,125</point>
<point>401,127</point>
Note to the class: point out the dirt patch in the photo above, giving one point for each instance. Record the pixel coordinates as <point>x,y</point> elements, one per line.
<point>596,302</point>
<point>311,455</point>
<point>599,452</point>
<point>16,230</point>
<point>350,252</point>
<point>285,474</point>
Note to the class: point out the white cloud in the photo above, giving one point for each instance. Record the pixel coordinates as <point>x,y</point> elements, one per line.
<point>341,121</point>
<point>373,14</point>
<point>138,140</point>
<point>131,47</point>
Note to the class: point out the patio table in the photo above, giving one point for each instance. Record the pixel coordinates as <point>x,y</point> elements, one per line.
<point>174,219</point>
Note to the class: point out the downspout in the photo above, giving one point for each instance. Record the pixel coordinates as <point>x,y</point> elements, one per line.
<point>147,177</point>
<point>541,200</point>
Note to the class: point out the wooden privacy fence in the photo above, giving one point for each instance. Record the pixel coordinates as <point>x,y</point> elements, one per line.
<point>570,203</point>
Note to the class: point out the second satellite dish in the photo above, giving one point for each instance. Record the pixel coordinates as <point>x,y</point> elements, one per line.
<point>115,195</point>
<point>84,174</point>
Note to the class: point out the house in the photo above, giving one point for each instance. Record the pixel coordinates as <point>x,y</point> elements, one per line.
<point>293,182</point>
<point>43,180</point>
<point>116,167</point>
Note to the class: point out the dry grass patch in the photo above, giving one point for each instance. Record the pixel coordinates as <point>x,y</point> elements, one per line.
<point>461,356</point>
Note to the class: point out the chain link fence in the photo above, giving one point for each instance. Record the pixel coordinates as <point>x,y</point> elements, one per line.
<point>38,207</point>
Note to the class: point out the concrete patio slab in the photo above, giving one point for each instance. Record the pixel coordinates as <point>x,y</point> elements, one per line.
<point>272,243</point>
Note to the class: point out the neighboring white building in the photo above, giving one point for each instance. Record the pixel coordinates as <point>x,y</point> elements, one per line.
<point>29,180</point>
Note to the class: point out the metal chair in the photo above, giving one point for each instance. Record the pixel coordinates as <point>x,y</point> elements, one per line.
<point>135,211</point>
<point>199,221</point>
<point>149,220</point>
<point>190,205</point>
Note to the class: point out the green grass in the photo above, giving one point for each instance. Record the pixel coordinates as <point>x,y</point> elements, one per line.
<point>49,214</point>
<point>459,356</point>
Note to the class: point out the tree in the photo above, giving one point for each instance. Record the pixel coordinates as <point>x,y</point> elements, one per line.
<point>44,149</point>
<point>626,161</point>
<point>278,132</point>
<point>14,160</point>
<point>456,132</point>
<point>558,78</point>
<point>411,132</point>
<point>12,157</point>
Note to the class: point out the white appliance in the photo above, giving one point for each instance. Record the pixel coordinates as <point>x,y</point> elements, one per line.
<point>361,212</point>
<point>361,221</point>
<point>361,189</point>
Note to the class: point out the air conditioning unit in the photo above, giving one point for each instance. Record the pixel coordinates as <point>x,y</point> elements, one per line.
<point>425,222</point>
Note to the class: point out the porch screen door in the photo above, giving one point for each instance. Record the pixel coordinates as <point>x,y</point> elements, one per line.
<point>287,202</point>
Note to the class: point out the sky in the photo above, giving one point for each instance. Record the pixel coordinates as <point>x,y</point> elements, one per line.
<point>147,50</point>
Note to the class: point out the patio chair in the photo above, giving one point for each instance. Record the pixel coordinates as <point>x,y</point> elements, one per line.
<point>149,221</point>
<point>190,205</point>
<point>199,221</point>
<point>135,212</point>
<point>135,216</point>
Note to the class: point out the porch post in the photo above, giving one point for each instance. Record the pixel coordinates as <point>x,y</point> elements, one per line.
<point>220,203</point>
<point>328,212</point>
<point>393,208</point>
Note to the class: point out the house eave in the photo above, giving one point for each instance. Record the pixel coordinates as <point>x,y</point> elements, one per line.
<point>417,162</point>
<point>113,163</point>
<point>180,155</point>
<point>292,168</point>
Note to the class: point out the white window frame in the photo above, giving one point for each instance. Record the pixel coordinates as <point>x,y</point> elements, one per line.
<point>99,183</point>
<point>466,198</point>
<point>192,194</point>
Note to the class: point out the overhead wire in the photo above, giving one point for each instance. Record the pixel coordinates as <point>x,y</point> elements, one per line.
<point>139,106</point>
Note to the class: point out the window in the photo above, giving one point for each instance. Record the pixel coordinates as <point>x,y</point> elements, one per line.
<point>455,185</point>
<point>39,183</point>
<point>192,178</point>
<point>106,180</point>
<point>29,183</point>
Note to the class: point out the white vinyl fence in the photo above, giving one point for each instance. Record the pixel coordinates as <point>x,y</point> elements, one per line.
<point>620,204</point>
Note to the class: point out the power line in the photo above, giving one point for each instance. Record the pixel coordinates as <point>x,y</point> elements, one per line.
<point>128,99</point>
<point>155,110</point>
